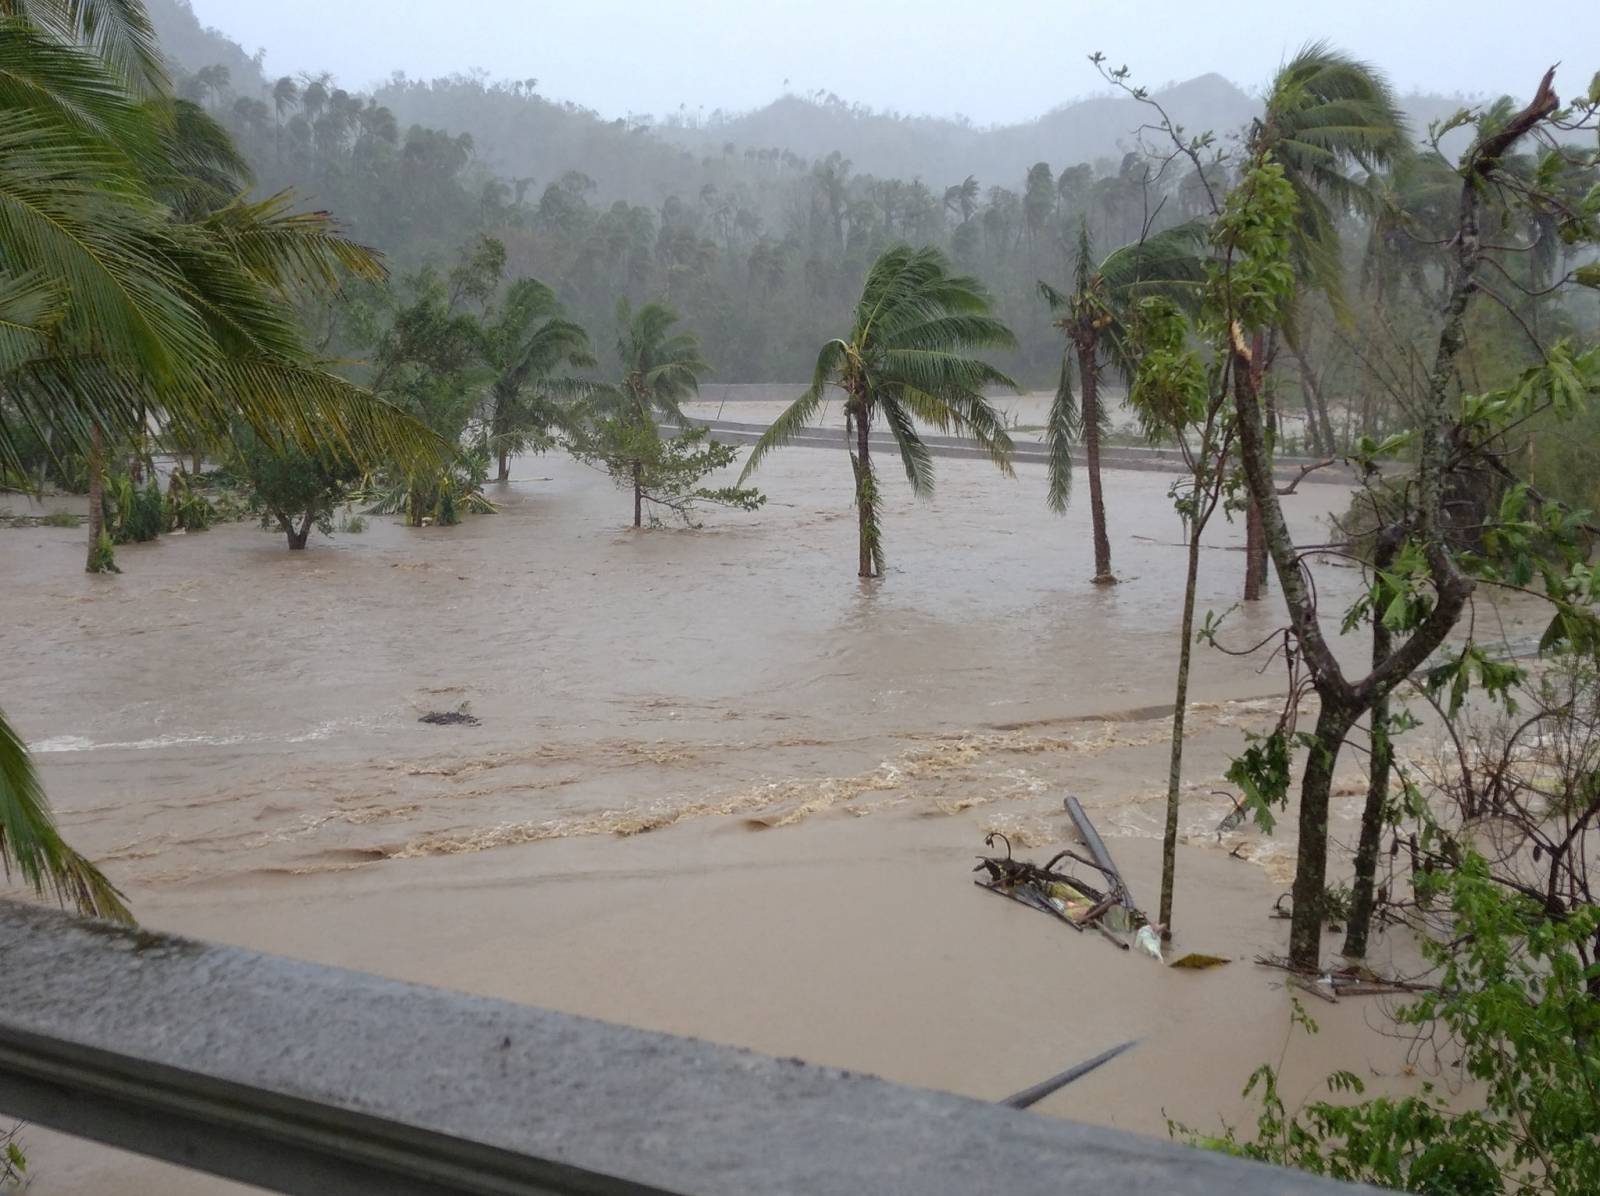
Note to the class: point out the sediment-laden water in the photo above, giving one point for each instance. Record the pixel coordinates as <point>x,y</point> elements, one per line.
<point>233,730</point>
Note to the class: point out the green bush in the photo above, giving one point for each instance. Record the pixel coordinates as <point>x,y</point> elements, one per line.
<point>60,519</point>
<point>133,513</point>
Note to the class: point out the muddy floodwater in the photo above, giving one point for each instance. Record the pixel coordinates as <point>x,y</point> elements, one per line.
<point>718,785</point>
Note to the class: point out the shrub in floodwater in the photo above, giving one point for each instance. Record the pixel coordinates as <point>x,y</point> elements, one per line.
<point>133,513</point>
<point>60,519</point>
<point>187,510</point>
<point>293,490</point>
<point>353,524</point>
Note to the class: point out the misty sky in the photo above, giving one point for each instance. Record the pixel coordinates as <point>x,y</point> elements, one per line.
<point>992,60</point>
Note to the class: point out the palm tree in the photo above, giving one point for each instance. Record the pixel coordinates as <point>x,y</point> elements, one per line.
<point>285,95</point>
<point>1093,318</point>
<point>1325,114</point>
<point>528,345</point>
<point>660,368</point>
<point>907,359</point>
<point>123,298</point>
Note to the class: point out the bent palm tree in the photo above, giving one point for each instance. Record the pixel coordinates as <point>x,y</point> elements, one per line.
<point>1325,114</point>
<point>1094,318</point>
<point>907,358</point>
<point>528,346</point>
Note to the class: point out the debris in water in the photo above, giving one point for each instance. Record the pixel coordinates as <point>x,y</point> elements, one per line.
<point>1149,942</point>
<point>450,718</point>
<point>1059,894</point>
<point>1198,962</point>
<point>1032,1096</point>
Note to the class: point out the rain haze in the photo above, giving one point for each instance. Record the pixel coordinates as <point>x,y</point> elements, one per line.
<point>995,63</point>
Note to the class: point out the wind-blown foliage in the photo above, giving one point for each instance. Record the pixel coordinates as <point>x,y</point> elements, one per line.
<point>30,842</point>
<point>906,360</point>
<point>132,289</point>
<point>531,346</point>
<point>621,424</point>
<point>1094,319</point>
<point>1325,113</point>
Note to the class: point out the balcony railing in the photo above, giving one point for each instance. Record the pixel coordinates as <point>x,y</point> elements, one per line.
<point>318,1081</point>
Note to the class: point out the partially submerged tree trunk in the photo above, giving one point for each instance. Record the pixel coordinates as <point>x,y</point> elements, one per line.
<point>95,562</point>
<point>1090,379</point>
<point>1169,837</point>
<point>1334,721</point>
<point>866,498</point>
<point>1378,763</point>
<point>1344,702</point>
<point>297,535</point>
<point>638,495</point>
<point>504,473</point>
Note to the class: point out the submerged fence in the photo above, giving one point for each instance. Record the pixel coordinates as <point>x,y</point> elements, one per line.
<point>317,1081</point>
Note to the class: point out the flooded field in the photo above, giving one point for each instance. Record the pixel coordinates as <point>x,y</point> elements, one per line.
<point>233,730</point>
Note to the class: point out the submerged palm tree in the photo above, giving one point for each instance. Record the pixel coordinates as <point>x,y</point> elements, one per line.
<point>529,344</point>
<point>1094,320</point>
<point>907,359</point>
<point>131,292</point>
<point>660,368</point>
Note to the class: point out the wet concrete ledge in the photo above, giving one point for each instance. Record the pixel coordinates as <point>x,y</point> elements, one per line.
<point>312,1080</point>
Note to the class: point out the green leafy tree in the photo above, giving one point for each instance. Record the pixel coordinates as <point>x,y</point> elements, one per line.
<point>664,471</point>
<point>1327,116</point>
<point>1094,318</point>
<point>908,358</point>
<point>291,489</point>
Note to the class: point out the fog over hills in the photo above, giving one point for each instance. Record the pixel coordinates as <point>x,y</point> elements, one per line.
<point>519,133</point>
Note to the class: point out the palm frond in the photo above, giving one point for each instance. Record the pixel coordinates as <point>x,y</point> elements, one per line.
<point>1063,428</point>
<point>61,83</point>
<point>799,414</point>
<point>289,250</point>
<point>68,212</point>
<point>30,308</point>
<point>30,843</point>
<point>914,454</point>
<point>118,31</point>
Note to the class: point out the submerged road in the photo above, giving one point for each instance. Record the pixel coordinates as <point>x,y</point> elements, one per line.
<point>1023,451</point>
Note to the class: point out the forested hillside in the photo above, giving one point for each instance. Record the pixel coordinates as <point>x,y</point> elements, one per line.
<point>758,227</point>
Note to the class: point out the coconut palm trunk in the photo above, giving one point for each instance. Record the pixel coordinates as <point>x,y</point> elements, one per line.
<point>94,563</point>
<point>866,497</point>
<point>1090,379</point>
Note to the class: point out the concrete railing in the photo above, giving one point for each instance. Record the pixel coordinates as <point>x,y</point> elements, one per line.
<point>313,1080</point>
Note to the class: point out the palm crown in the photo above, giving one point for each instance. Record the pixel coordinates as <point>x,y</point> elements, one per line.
<point>907,360</point>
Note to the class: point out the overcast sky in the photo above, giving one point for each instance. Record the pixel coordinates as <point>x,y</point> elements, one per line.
<point>992,60</point>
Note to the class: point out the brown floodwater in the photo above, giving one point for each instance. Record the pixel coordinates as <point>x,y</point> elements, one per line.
<point>232,729</point>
